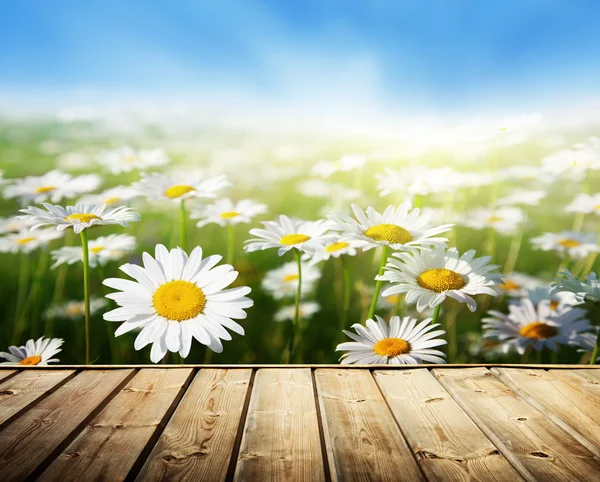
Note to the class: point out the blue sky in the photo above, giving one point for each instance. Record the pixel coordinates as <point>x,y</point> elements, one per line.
<point>429,55</point>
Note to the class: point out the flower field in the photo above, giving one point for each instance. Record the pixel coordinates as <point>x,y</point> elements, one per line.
<point>161,241</point>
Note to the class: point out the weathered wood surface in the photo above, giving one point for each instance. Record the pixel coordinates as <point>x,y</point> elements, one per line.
<point>319,423</point>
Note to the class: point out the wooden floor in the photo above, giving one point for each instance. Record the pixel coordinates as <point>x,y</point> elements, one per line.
<point>435,422</point>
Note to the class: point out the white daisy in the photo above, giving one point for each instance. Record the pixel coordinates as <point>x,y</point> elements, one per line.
<point>400,228</point>
<point>328,190</point>
<point>478,346</point>
<point>53,186</point>
<point>75,310</point>
<point>26,241</point>
<point>571,162</point>
<point>100,250</point>
<point>180,185</point>
<point>505,220</point>
<point>307,310</point>
<point>587,289</point>
<point>283,282</point>
<point>587,343</point>
<point>428,277</point>
<point>404,342</point>
<point>114,196</point>
<point>524,173</point>
<point>175,298</point>
<point>336,247</point>
<point>286,234</point>
<point>126,159</point>
<point>78,217</point>
<point>573,244</point>
<point>585,204</point>
<point>13,225</point>
<point>418,180</point>
<point>522,197</point>
<point>517,284</point>
<point>557,300</point>
<point>39,352</point>
<point>224,212</point>
<point>538,326</point>
<point>347,163</point>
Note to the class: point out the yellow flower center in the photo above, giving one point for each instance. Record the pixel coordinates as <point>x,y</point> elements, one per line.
<point>229,214</point>
<point>538,330</point>
<point>81,217</point>
<point>494,219</point>
<point>96,249</point>
<point>178,191</point>
<point>391,347</point>
<point>112,200</point>
<point>393,299</point>
<point>553,305</point>
<point>43,189</point>
<point>569,243</point>
<point>332,248</point>
<point>440,279</point>
<point>179,300</point>
<point>597,206</point>
<point>290,277</point>
<point>25,240</point>
<point>390,233</point>
<point>129,159</point>
<point>74,309</point>
<point>290,239</point>
<point>31,360</point>
<point>509,285</point>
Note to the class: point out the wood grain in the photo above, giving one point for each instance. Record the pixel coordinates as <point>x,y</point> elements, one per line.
<point>26,387</point>
<point>586,380</point>
<point>447,443</point>
<point>25,443</point>
<point>281,436</point>
<point>111,443</point>
<point>362,439</point>
<point>198,440</point>
<point>537,448</point>
<point>4,374</point>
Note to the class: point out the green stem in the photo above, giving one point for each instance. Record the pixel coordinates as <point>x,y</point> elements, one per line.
<point>596,350</point>
<point>513,253</point>
<point>346,304</point>
<point>555,355</point>
<point>59,286</point>
<point>230,243</point>
<point>33,302</point>
<point>86,292</point>
<point>294,327</point>
<point>384,256</point>
<point>182,226</point>
<point>109,330</point>
<point>436,313</point>
<point>21,293</point>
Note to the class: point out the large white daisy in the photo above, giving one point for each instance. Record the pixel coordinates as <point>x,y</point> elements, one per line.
<point>286,234</point>
<point>39,352</point>
<point>78,217</point>
<point>100,250</point>
<point>403,342</point>
<point>283,282</point>
<point>400,229</point>
<point>175,298</point>
<point>26,241</point>
<point>539,326</point>
<point>180,185</point>
<point>126,159</point>
<point>567,243</point>
<point>428,277</point>
<point>224,212</point>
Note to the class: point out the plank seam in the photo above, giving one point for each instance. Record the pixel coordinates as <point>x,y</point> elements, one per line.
<point>8,377</point>
<point>321,431</point>
<point>315,366</point>
<point>44,464</point>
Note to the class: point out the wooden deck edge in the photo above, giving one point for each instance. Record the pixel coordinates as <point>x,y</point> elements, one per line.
<point>370,367</point>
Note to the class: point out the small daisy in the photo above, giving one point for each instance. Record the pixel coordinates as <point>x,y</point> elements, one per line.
<point>39,352</point>
<point>53,186</point>
<point>126,159</point>
<point>175,298</point>
<point>538,326</point>
<point>522,197</point>
<point>283,282</point>
<point>180,185</point>
<point>336,247</point>
<point>114,196</point>
<point>347,163</point>
<point>571,162</point>
<point>307,310</point>
<point>26,241</point>
<point>585,204</point>
<point>78,217</point>
<point>573,244</point>
<point>557,300</point>
<point>478,347</point>
<point>101,250</point>
<point>224,212</point>
<point>75,310</point>
<point>286,234</point>
<point>419,180</point>
<point>404,342</point>
<point>504,220</point>
<point>400,228</point>
<point>517,284</point>
<point>13,225</point>
<point>587,344</point>
<point>328,190</point>
<point>428,277</point>
<point>587,289</point>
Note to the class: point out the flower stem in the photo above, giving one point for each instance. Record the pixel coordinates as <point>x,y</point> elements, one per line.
<point>384,256</point>
<point>34,301</point>
<point>22,288</point>
<point>513,253</point>
<point>183,221</point>
<point>109,330</point>
<point>295,322</point>
<point>59,286</point>
<point>596,350</point>
<point>230,243</point>
<point>346,304</point>
<point>436,313</point>
<point>86,292</point>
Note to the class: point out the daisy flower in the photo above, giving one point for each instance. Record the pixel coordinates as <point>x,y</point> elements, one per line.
<point>224,212</point>
<point>522,197</point>
<point>26,241</point>
<point>505,220</point>
<point>585,204</point>
<point>587,342</point>
<point>538,326</point>
<point>573,244</point>
<point>571,162</point>
<point>428,277</point>
<point>557,300</point>
<point>587,289</point>
<point>114,196</point>
<point>328,190</point>
<point>13,225</point>
<point>39,352</point>
<point>78,217</point>
<point>180,185</point>
<point>478,347</point>
<point>101,250</point>
<point>336,247</point>
<point>346,163</point>
<point>53,186</point>
<point>400,228</point>
<point>518,284</point>
<point>307,310</point>
<point>126,159</point>
<point>286,234</point>
<point>175,298</point>
<point>75,310</point>
<point>420,181</point>
<point>403,342</point>
<point>283,282</point>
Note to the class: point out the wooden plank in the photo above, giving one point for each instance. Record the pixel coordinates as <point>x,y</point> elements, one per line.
<point>109,446</point>
<point>536,447</point>
<point>18,392</point>
<point>30,439</point>
<point>281,438</point>
<point>4,374</point>
<point>565,404</point>
<point>586,380</point>
<point>447,443</point>
<point>197,442</point>
<point>361,436</point>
